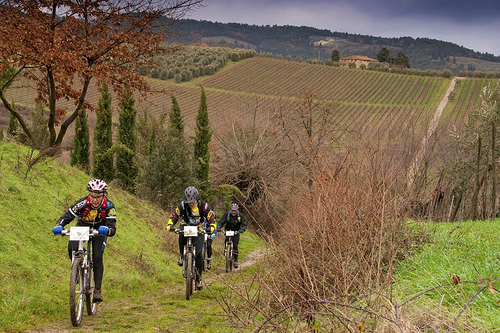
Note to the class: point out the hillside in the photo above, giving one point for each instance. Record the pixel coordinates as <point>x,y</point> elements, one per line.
<point>365,103</point>
<point>312,43</point>
<point>34,268</point>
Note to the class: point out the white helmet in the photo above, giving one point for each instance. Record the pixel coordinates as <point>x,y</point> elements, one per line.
<point>97,186</point>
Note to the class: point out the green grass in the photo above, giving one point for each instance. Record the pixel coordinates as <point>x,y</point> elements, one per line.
<point>143,287</point>
<point>140,261</point>
<point>471,250</point>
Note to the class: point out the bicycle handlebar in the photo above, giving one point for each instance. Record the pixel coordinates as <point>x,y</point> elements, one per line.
<point>180,231</point>
<point>92,232</point>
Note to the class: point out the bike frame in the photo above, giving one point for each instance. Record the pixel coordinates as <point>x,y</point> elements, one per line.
<point>228,250</point>
<point>81,282</point>
<point>188,266</point>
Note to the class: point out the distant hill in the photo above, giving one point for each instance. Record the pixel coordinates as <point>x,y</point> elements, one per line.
<point>312,43</point>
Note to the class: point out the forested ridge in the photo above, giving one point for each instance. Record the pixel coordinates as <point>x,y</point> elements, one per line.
<point>424,53</point>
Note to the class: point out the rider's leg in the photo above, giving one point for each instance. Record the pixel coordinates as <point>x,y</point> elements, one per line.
<point>182,242</point>
<point>209,253</point>
<point>98,246</point>
<point>236,241</point>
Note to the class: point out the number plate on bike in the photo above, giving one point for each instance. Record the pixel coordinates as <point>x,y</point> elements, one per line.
<point>229,233</point>
<point>190,231</point>
<point>79,233</point>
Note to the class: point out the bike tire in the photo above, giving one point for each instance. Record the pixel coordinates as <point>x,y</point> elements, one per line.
<point>229,255</point>
<point>89,295</point>
<point>189,275</point>
<point>76,292</point>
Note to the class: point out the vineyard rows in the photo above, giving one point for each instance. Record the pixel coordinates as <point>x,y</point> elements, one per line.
<point>364,103</point>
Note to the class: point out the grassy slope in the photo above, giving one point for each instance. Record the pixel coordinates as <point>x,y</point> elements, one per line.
<point>34,269</point>
<point>468,249</point>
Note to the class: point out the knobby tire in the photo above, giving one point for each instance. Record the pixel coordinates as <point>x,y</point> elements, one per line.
<point>76,292</point>
<point>189,274</point>
<point>229,257</point>
<point>89,295</point>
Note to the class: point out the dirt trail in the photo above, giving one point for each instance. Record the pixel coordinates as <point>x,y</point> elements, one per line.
<point>419,156</point>
<point>132,312</point>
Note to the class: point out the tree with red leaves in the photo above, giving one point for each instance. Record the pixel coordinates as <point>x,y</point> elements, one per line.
<point>62,45</point>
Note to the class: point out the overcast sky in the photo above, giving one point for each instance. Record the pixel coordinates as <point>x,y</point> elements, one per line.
<point>474,24</point>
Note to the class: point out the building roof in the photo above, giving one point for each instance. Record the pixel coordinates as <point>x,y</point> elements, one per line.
<point>358,57</point>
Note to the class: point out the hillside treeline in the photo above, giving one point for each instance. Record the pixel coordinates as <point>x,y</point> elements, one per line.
<point>298,42</point>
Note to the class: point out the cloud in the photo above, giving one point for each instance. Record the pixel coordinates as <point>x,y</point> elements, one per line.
<point>472,25</point>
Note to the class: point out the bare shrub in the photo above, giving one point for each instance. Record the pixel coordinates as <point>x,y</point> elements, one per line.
<point>334,251</point>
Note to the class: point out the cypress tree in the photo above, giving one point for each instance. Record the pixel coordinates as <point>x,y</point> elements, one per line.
<point>12,127</point>
<point>103,140</point>
<point>126,169</point>
<point>176,124</point>
<point>203,135</point>
<point>80,156</point>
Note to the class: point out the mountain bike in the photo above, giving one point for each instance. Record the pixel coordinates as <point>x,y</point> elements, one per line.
<point>229,250</point>
<point>81,283</point>
<point>189,255</point>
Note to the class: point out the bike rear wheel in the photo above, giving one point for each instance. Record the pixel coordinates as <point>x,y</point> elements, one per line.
<point>229,257</point>
<point>76,292</point>
<point>189,274</point>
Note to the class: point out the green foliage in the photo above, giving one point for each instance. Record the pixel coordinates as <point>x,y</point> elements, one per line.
<point>203,136</point>
<point>126,169</point>
<point>169,168</point>
<point>335,56</point>
<point>103,138</point>
<point>80,155</point>
<point>12,127</point>
<point>183,63</point>
<point>402,60</point>
<point>383,55</point>
<point>176,124</point>
<point>36,125</point>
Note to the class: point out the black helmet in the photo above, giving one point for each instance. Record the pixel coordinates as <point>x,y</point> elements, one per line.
<point>234,206</point>
<point>191,194</point>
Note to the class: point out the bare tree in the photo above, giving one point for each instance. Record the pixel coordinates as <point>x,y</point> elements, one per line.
<point>309,129</point>
<point>62,45</point>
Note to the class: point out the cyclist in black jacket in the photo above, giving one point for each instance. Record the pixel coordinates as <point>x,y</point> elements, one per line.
<point>193,212</point>
<point>234,220</point>
<point>98,212</point>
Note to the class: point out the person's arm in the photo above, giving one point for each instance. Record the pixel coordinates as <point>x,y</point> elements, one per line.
<point>111,219</point>
<point>74,211</point>
<point>222,221</point>
<point>211,220</point>
<point>173,219</point>
<point>243,223</point>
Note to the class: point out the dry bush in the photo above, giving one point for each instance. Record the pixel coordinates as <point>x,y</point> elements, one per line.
<point>333,252</point>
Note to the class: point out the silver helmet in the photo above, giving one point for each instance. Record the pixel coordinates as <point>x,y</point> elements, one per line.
<point>191,194</point>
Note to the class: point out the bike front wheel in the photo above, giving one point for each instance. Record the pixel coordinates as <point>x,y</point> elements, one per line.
<point>189,274</point>
<point>229,257</point>
<point>76,292</point>
<point>89,295</point>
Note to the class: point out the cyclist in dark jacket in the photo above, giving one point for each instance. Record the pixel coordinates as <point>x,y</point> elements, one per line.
<point>193,212</point>
<point>98,212</point>
<point>234,220</point>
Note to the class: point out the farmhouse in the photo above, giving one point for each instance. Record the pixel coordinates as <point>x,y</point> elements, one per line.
<point>356,61</point>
